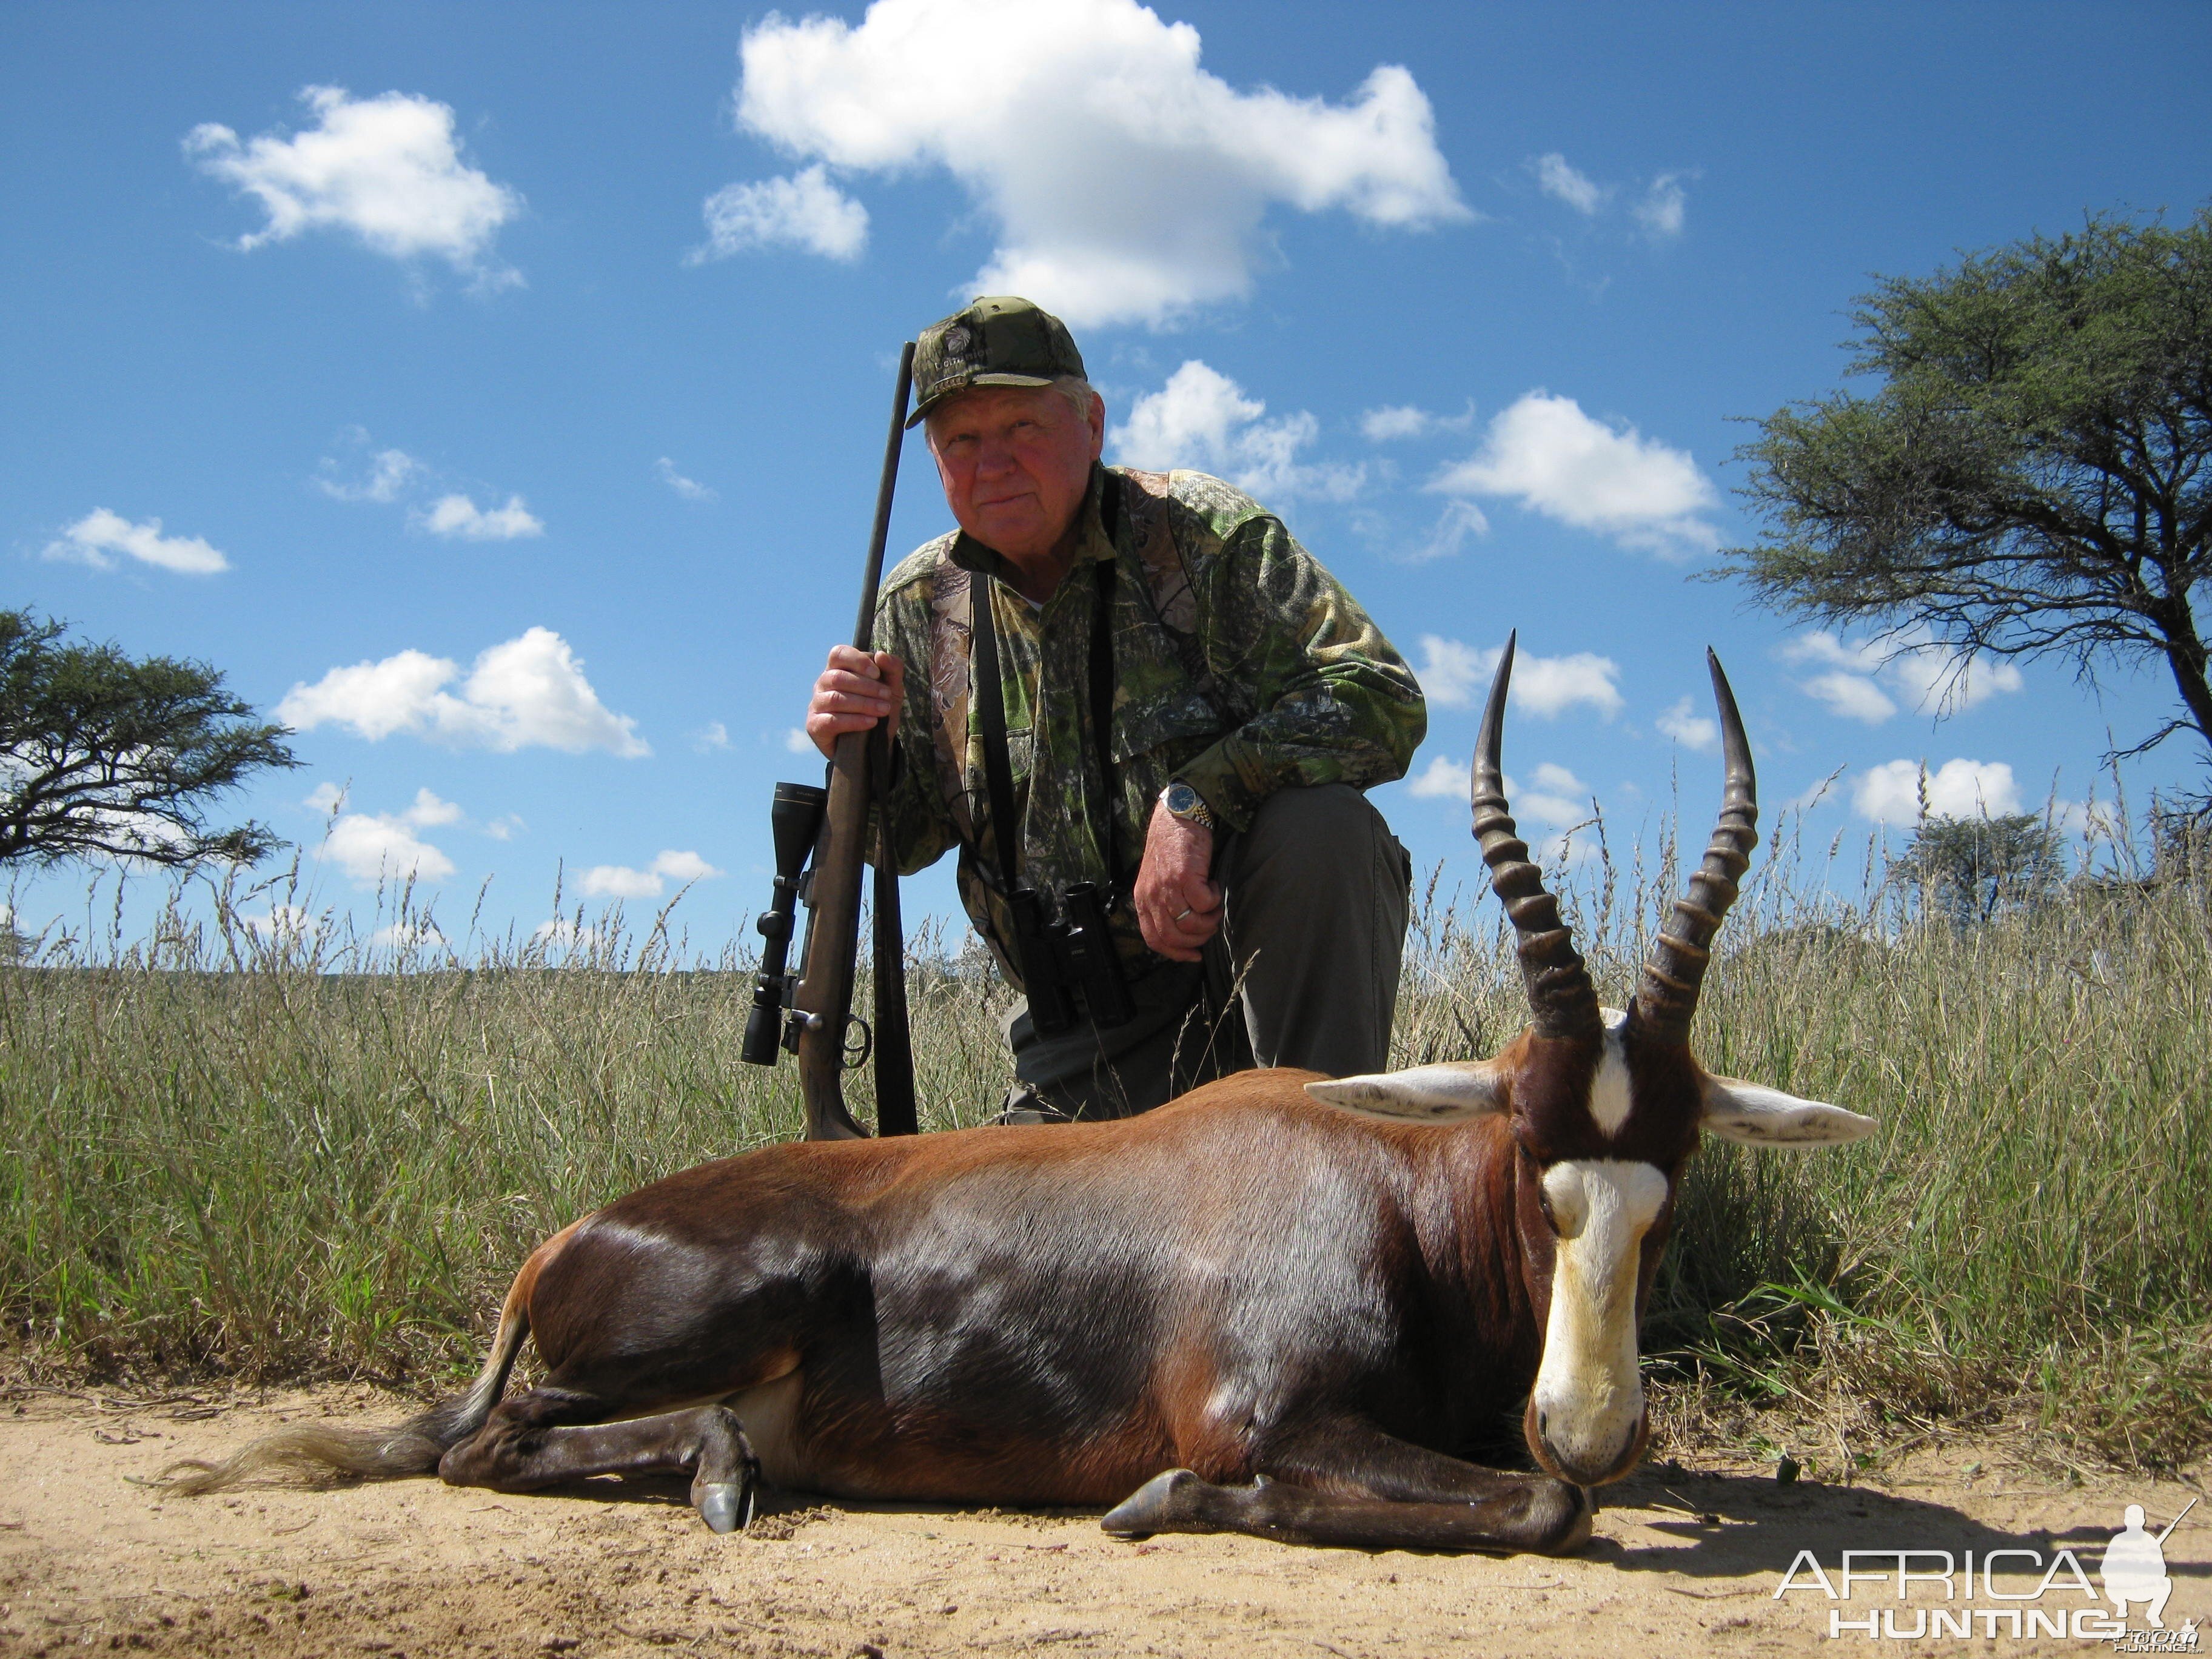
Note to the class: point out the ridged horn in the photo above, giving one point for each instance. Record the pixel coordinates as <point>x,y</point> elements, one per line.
<point>1560,995</point>
<point>1667,996</point>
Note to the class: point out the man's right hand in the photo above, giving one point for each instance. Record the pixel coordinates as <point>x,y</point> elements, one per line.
<point>857,688</point>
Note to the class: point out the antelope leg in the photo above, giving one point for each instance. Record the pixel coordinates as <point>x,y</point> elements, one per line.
<point>1537,1514</point>
<point>525,1447</point>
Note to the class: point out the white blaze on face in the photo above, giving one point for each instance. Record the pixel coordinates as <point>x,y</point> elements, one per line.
<point>1589,1396</point>
<point>1609,1099</point>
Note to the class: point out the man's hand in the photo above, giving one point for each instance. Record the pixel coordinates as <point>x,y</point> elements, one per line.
<point>858,689</point>
<point>1178,907</point>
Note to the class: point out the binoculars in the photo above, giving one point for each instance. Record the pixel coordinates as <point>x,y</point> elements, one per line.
<point>1068,963</point>
<point>1074,953</point>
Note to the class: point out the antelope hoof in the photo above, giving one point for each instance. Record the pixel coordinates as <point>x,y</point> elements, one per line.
<point>1166,1503</point>
<point>724,1505</point>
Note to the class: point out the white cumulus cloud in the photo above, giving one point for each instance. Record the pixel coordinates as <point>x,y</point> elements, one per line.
<point>571,938</point>
<point>1663,208</point>
<point>457,515</point>
<point>1551,685</point>
<point>385,847</point>
<point>1688,728</point>
<point>1562,183</point>
<point>1854,696</point>
<point>620,881</point>
<point>1552,796</point>
<point>1396,421</point>
<point>1452,670</point>
<point>1458,520</point>
<point>386,169</point>
<point>1201,418</point>
<point>402,937</point>
<point>803,211</point>
<point>1919,672</point>
<point>390,472</point>
<point>1381,425</point>
<point>97,537</point>
<point>690,489</point>
<point>1659,212</point>
<point>1453,673</point>
<point>284,924</point>
<point>528,692</point>
<point>1557,797</point>
<point>1443,777</point>
<point>1124,183</point>
<point>1890,792</point>
<point>1552,459</point>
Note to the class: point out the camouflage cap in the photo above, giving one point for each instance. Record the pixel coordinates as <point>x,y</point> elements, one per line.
<point>996,340</point>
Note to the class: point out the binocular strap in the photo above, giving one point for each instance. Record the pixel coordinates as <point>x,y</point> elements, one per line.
<point>998,769</point>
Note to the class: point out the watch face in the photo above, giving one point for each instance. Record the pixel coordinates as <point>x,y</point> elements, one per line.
<point>1182,798</point>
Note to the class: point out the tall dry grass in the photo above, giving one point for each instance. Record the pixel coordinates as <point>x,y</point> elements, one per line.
<point>274,1149</point>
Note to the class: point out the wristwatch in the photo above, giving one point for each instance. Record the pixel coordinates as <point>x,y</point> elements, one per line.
<point>1187,804</point>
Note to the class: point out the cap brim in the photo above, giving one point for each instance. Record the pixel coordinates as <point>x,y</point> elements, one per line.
<point>938,400</point>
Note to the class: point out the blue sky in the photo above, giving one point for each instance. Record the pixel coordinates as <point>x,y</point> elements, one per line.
<point>507,412</point>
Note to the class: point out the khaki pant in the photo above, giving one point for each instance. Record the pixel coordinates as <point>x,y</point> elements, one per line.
<point>1303,972</point>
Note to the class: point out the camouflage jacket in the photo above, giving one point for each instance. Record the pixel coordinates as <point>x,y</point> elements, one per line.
<point>1240,666</point>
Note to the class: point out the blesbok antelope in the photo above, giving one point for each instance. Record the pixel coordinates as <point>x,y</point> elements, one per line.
<point>1281,1305</point>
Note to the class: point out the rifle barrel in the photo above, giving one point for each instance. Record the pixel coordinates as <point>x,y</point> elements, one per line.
<point>823,999</point>
<point>864,630</point>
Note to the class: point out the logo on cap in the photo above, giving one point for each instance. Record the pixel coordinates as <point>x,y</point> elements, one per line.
<point>956,339</point>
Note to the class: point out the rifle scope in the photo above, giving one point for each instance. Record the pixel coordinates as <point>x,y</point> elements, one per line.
<point>796,821</point>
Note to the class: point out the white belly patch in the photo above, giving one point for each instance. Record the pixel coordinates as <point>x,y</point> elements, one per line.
<point>770,1416</point>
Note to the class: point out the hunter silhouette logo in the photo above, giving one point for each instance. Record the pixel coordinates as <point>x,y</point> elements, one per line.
<point>2134,1567</point>
<point>1946,1583</point>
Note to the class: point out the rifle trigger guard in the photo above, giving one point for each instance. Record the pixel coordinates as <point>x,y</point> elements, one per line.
<point>856,1053</point>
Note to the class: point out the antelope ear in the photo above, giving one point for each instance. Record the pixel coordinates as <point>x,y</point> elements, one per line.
<point>1736,1110</point>
<point>1423,1094</point>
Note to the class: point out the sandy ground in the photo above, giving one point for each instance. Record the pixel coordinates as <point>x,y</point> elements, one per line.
<point>1685,1561</point>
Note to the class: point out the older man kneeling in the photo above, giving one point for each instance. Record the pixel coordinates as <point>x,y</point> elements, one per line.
<point>1185,708</point>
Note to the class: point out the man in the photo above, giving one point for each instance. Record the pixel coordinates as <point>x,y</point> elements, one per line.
<point>1191,708</point>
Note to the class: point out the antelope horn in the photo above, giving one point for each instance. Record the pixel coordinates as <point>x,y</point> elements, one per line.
<point>1560,995</point>
<point>1667,996</point>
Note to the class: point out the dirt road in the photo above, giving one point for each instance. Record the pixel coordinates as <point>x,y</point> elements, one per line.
<point>1686,1561</point>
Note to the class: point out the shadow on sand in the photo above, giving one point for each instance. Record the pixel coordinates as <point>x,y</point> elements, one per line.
<point>1737,1524</point>
<point>1727,1526</point>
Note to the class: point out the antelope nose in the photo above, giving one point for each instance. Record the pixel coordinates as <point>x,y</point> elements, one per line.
<point>1586,1459</point>
<point>1588,1465</point>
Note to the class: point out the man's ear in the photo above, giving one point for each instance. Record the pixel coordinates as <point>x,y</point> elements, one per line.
<point>1098,424</point>
<point>1443,1093</point>
<point>1745,1112</point>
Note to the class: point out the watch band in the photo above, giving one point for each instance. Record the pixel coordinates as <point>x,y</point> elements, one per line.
<point>1186,803</point>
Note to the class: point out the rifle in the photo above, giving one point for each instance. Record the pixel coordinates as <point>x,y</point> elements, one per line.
<point>820,1001</point>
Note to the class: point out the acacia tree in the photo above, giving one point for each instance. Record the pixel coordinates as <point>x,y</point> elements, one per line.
<point>102,754</point>
<point>2030,477</point>
<point>1970,870</point>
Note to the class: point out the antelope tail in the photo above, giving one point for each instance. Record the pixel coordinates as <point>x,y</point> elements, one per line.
<point>414,1447</point>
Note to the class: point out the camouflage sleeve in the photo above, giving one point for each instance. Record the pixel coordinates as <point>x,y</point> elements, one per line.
<point>921,826</point>
<point>1335,702</point>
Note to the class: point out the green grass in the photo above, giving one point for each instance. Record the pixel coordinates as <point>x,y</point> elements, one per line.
<point>279,1156</point>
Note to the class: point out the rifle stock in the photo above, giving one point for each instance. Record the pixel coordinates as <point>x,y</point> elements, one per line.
<point>822,1003</point>
<point>823,999</point>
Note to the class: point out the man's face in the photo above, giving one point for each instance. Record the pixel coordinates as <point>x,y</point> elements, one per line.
<point>1015,461</point>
